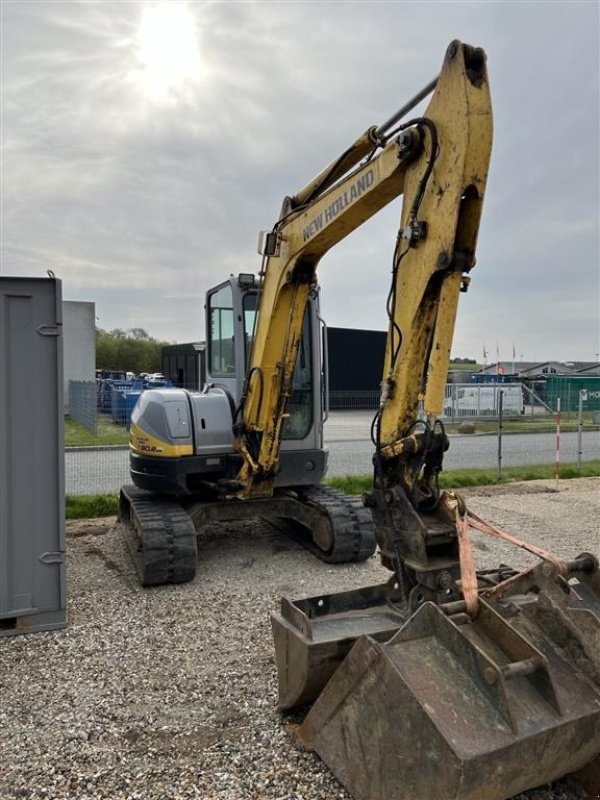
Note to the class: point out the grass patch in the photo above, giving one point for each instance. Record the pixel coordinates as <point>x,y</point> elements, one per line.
<point>521,425</point>
<point>90,506</point>
<point>107,433</point>
<point>455,479</point>
<point>105,505</point>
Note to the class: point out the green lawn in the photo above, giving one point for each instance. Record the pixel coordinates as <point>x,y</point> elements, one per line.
<point>455,479</point>
<point>107,433</point>
<point>524,424</point>
<point>87,506</point>
<point>90,506</point>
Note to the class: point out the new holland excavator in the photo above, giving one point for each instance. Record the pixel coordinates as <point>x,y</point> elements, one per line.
<point>182,456</point>
<point>444,682</point>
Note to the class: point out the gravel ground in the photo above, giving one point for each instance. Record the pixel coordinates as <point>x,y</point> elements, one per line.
<point>170,692</point>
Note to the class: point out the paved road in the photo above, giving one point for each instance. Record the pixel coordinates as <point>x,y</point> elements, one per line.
<point>354,457</point>
<point>350,449</point>
<point>350,452</point>
<point>96,471</point>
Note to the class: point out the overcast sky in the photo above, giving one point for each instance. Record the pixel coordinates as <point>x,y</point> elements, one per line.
<point>145,144</point>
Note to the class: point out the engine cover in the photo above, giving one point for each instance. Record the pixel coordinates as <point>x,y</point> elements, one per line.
<point>172,422</point>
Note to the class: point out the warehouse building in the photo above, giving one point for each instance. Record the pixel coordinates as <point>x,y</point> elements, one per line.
<point>184,365</point>
<point>79,344</point>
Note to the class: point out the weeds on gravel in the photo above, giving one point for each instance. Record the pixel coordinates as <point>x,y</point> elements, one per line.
<point>455,479</point>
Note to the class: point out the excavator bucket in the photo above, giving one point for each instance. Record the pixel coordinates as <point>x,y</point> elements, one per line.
<point>451,706</point>
<point>313,635</point>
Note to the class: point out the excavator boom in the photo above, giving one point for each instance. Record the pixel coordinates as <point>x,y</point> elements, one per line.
<point>439,162</point>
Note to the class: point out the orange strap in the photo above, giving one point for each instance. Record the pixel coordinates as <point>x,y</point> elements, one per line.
<point>485,527</point>
<point>468,574</point>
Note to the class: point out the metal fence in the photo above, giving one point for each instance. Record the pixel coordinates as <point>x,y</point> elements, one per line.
<point>104,468</point>
<point>83,406</point>
<point>347,437</point>
<point>344,400</point>
<point>461,400</point>
<point>96,470</point>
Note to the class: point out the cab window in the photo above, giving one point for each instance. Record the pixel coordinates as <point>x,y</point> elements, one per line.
<point>221,339</point>
<point>300,404</point>
<point>249,306</point>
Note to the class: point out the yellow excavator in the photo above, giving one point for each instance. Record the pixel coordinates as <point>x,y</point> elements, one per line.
<point>444,682</point>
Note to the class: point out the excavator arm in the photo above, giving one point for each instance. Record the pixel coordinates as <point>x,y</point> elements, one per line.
<point>439,163</point>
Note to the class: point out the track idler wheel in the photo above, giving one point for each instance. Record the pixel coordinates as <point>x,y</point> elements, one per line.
<point>343,530</point>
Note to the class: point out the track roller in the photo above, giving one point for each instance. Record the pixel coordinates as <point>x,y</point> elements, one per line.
<point>336,527</point>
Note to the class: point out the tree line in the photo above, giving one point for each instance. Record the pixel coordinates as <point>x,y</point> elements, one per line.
<point>133,350</point>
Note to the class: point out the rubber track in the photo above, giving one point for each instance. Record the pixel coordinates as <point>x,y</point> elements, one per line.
<point>161,537</point>
<point>353,529</point>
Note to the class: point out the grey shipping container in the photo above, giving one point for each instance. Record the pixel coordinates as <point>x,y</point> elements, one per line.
<point>32,518</point>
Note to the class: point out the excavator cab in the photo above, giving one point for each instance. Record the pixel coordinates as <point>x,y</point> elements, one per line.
<point>231,315</point>
<point>180,441</point>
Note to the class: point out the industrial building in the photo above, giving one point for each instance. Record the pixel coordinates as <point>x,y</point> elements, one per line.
<point>79,344</point>
<point>355,366</point>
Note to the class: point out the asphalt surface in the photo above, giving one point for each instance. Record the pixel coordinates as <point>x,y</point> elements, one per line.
<point>347,435</point>
<point>475,452</point>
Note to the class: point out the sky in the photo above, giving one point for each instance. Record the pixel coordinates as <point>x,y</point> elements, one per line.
<point>145,145</point>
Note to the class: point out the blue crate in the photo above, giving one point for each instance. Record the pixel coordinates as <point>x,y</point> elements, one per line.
<point>122,402</point>
<point>125,394</point>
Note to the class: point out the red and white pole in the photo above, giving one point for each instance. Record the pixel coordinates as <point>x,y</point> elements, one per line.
<point>557,462</point>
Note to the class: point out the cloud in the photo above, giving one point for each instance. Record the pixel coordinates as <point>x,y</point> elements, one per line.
<point>142,202</point>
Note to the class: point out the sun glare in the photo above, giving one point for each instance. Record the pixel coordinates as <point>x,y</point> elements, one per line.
<point>167,47</point>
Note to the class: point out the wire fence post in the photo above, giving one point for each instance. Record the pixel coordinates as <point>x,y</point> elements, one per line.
<point>532,405</point>
<point>500,404</point>
<point>582,397</point>
<point>557,462</point>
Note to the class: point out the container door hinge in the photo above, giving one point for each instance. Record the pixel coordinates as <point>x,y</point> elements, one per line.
<point>49,330</point>
<point>52,558</point>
